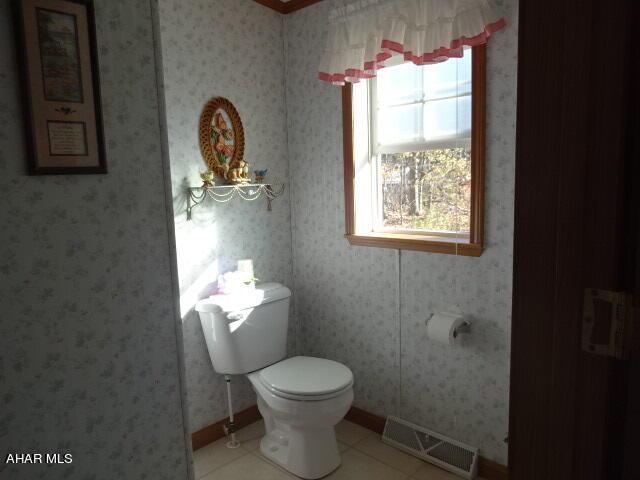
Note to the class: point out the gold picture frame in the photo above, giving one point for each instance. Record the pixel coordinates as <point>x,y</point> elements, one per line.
<point>61,86</point>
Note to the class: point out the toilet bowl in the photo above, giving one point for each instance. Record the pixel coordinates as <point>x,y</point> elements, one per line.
<point>301,400</point>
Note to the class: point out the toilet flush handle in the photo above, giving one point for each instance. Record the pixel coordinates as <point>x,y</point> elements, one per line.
<point>233,316</point>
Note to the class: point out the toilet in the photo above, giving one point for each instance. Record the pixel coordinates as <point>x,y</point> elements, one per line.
<point>300,398</point>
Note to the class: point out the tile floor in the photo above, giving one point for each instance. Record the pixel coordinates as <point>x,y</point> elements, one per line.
<point>364,457</point>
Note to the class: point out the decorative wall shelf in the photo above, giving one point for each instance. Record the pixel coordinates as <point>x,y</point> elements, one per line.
<point>224,193</point>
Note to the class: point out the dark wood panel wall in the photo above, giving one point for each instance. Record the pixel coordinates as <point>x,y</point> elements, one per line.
<point>573,112</point>
<point>548,85</point>
<point>630,441</point>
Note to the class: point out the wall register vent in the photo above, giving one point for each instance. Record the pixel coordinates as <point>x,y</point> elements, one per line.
<point>433,447</point>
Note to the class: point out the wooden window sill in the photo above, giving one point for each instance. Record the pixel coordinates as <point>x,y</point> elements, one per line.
<point>399,241</point>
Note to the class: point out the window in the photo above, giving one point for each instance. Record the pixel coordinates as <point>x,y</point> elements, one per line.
<point>414,156</point>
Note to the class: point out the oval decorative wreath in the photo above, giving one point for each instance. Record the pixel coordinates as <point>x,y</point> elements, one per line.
<point>222,145</point>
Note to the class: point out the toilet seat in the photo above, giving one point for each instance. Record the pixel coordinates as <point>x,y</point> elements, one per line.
<point>306,378</point>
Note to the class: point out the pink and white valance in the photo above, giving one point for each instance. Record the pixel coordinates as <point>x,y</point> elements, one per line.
<point>365,33</point>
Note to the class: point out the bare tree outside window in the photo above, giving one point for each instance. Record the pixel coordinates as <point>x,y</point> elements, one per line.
<point>427,190</point>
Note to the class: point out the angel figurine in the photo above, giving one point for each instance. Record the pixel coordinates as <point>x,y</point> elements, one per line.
<point>223,142</point>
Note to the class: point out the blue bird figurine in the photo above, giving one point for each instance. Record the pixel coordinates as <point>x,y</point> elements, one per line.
<point>260,174</point>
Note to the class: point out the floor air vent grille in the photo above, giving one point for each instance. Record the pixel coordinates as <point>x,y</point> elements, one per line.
<point>438,449</point>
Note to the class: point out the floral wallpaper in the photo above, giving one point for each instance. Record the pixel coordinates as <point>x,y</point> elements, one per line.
<point>97,373</point>
<point>88,339</point>
<point>367,307</point>
<point>232,49</point>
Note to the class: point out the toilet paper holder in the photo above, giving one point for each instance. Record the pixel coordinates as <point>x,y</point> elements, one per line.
<point>464,327</point>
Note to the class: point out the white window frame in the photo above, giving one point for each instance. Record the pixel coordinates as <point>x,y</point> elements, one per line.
<point>375,150</point>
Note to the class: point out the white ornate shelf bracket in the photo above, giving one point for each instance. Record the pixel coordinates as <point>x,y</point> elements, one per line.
<point>224,193</point>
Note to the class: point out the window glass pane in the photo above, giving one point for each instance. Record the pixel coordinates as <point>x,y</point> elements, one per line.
<point>447,118</point>
<point>390,177</point>
<point>440,79</point>
<point>399,124</point>
<point>424,190</point>
<point>449,78</point>
<point>464,116</point>
<point>399,84</point>
<point>429,190</point>
<point>464,72</point>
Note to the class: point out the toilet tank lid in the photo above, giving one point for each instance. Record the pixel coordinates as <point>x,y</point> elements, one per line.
<point>244,298</point>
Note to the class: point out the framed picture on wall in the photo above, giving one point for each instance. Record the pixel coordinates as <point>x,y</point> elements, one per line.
<point>57,42</point>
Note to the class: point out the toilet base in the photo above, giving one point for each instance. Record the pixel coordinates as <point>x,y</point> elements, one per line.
<point>308,454</point>
<point>300,435</point>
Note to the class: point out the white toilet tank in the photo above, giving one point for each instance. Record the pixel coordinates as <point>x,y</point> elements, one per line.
<point>246,330</point>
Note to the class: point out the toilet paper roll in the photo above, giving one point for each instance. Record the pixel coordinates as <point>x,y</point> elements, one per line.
<point>442,327</point>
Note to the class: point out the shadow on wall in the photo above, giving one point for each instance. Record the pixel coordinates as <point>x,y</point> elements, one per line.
<point>208,245</point>
<point>206,394</point>
<point>197,251</point>
<point>180,201</point>
<point>202,287</point>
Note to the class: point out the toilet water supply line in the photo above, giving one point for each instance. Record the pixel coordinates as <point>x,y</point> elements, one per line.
<point>230,430</point>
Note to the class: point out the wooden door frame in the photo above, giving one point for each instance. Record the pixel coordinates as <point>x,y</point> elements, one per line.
<point>566,405</point>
